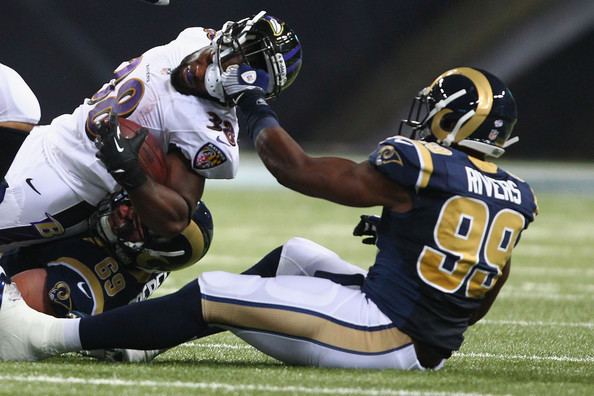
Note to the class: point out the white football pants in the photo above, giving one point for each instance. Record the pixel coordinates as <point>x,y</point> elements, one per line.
<point>304,320</point>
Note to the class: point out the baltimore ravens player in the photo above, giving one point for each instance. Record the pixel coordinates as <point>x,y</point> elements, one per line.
<point>19,113</point>
<point>174,91</point>
<point>449,224</point>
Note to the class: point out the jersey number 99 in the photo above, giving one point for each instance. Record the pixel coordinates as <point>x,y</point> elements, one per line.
<point>463,238</point>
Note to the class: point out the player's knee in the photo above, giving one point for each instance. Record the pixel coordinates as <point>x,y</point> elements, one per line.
<point>301,256</point>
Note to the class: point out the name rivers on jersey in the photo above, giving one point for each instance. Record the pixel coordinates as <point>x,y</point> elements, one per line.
<point>480,184</point>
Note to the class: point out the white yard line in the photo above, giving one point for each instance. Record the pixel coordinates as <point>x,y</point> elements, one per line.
<point>223,387</point>
<point>537,323</point>
<point>587,359</point>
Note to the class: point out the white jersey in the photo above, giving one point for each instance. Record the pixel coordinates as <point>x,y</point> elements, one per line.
<point>17,101</point>
<point>203,130</point>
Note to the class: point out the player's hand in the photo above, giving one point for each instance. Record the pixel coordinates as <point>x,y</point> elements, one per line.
<point>120,155</point>
<point>367,226</point>
<point>238,79</point>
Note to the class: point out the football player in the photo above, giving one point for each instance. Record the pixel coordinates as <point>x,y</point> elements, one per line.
<point>58,176</point>
<point>122,262</point>
<point>19,113</point>
<point>449,223</point>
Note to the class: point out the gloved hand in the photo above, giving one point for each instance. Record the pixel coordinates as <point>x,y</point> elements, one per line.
<point>238,79</point>
<point>367,226</point>
<point>120,155</point>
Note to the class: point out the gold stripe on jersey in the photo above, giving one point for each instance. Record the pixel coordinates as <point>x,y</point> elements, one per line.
<point>425,164</point>
<point>487,167</point>
<point>303,325</point>
<point>483,108</point>
<point>89,276</point>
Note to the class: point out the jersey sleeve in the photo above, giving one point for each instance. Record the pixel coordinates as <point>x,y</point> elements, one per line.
<point>196,34</point>
<point>405,161</point>
<point>210,145</point>
<point>18,103</point>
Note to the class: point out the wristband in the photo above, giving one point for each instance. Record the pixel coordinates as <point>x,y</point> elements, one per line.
<point>255,114</point>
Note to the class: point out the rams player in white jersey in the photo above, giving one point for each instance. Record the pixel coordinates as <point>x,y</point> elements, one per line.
<point>450,221</point>
<point>19,113</point>
<point>173,90</point>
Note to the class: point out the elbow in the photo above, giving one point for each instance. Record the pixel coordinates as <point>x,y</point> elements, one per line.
<point>289,171</point>
<point>282,178</point>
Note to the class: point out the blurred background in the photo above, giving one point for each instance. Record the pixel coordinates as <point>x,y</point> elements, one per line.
<point>364,60</point>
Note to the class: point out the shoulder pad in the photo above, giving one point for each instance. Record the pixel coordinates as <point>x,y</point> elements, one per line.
<point>405,161</point>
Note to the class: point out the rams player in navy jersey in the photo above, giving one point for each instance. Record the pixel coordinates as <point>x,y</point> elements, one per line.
<point>118,263</point>
<point>449,223</point>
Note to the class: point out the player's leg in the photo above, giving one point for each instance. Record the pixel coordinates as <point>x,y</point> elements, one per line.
<point>26,334</point>
<point>306,321</point>
<point>297,319</point>
<point>300,256</point>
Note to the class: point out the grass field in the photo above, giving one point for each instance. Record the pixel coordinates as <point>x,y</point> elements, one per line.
<point>537,339</point>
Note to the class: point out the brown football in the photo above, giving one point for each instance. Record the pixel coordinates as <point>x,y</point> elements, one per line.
<point>151,155</point>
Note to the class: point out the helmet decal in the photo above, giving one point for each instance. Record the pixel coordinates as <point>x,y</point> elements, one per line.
<point>464,106</point>
<point>276,26</point>
<point>483,105</point>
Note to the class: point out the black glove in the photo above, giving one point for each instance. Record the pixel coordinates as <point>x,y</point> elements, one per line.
<point>120,155</point>
<point>367,227</point>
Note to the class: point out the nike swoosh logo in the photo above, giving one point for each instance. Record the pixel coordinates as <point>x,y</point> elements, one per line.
<point>222,141</point>
<point>82,289</point>
<point>28,181</point>
<point>120,149</point>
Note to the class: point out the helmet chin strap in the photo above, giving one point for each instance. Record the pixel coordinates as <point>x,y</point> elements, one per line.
<point>212,81</point>
<point>511,141</point>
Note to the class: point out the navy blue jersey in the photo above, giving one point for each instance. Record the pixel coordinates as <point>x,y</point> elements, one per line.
<point>436,263</point>
<point>82,276</point>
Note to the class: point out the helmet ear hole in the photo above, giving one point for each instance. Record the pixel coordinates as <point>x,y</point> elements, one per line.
<point>448,122</point>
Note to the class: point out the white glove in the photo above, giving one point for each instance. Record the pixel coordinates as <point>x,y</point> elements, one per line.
<point>238,79</point>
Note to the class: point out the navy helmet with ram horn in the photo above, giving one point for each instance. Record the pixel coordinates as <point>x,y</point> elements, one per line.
<point>467,107</point>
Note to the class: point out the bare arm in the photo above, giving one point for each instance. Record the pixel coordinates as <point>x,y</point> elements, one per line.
<point>336,179</point>
<point>166,209</point>
<point>491,295</point>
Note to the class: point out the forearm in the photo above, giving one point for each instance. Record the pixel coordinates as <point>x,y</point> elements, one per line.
<point>330,178</point>
<point>160,208</point>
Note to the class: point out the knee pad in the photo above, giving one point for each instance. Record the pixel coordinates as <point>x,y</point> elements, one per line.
<point>301,256</point>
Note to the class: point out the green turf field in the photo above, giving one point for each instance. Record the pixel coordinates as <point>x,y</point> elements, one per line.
<point>538,338</point>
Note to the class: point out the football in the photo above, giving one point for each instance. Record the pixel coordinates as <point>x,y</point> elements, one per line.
<point>151,155</point>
